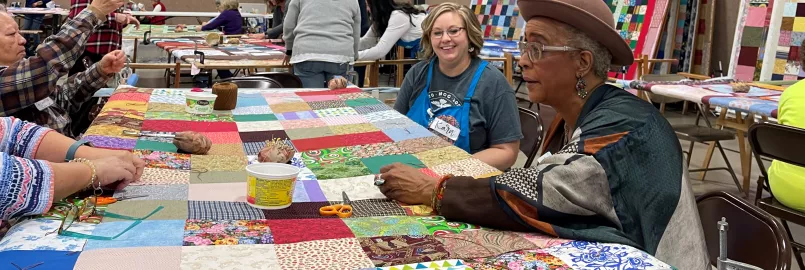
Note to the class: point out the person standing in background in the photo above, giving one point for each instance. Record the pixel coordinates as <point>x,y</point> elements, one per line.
<point>33,22</point>
<point>321,39</point>
<point>158,7</point>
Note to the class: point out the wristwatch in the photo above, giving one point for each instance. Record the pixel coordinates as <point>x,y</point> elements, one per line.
<point>73,148</point>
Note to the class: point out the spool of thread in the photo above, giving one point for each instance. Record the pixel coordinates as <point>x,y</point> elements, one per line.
<point>227,96</point>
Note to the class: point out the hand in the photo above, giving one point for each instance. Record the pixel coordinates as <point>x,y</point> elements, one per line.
<point>125,18</point>
<point>406,184</point>
<point>257,36</point>
<point>113,62</point>
<point>107,6</point>
<point>113,169</point>
<point>99,153</point>
<point>37,4</point>
<point>286,61</point>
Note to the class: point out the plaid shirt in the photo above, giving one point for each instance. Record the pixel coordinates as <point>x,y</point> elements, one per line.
<point>107,37</point>
<point>67,100</point>
<point>33,79</point>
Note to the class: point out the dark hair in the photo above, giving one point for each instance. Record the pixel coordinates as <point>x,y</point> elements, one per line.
<point>381,12</point>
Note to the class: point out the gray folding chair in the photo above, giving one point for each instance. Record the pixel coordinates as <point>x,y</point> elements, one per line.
<point>531,125</point>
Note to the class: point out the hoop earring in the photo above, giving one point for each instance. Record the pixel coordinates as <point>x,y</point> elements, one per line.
<point>581,86</point>
<point>472,49</point>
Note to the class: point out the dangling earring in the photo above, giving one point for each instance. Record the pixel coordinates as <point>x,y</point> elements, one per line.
<point>472,49</point>
<point>581,86</point>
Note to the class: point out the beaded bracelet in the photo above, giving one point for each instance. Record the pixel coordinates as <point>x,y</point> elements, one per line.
<point>94,178</point>
<point>438,193</point>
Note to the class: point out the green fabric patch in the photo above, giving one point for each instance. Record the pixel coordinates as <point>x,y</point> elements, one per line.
<point>215,116</point>
<point>140,207</point>
<point>375,163</point>
<point>161,115</point>
<point>155,146</point>
<point>218,177</point>
<point>362,102</point>
<point>385,226</point>
<point>255,117</point>
<point>439,225</point>
<point>339,170</point>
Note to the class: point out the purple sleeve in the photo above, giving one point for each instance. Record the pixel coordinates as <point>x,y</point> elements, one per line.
<point>224,17</point>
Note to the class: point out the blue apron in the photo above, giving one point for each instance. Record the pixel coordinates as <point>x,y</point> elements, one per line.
<point>411,45</point>
<point>422,113</point>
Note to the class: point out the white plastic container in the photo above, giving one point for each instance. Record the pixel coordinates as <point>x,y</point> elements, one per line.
<point>271,185</point>
<point>200,102</point>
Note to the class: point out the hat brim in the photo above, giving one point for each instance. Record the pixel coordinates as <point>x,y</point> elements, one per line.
<point>598,30</point>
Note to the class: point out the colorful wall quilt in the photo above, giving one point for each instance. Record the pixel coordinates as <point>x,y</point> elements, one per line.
<point>206,224</point>
<point>500,19</point>
<point>750,40</point>
<point>787,60</point>
<point>632,19</point>
<point>702,50</point>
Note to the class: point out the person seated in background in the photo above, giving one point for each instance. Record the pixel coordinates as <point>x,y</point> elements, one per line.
<point>40,167</point>
<point>30,87</point>
<point>321,39</point>
<point>230,22</point>
<point>455,89</point>
<point>156,20</point>
<point>620,178</point>
<point>33,22</point>
<point>787,181</point>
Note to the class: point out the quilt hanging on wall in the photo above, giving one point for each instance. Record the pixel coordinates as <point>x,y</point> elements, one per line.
<point>703,41</point>
<point>500,19</point>
<point>631,22</point>
<point>656,29</point>
<point>665,49</point>
<point>787,61</point>
<point>688,35</point>
<point>750,39</point>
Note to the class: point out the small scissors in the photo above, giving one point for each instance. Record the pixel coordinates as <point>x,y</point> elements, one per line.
<point>343,210</point>
<point>111,200</point>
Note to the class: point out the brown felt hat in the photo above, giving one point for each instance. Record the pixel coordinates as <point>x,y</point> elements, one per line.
<point>591,17</point>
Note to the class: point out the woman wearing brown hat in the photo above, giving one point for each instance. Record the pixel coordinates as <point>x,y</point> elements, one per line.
<point>619,177</point>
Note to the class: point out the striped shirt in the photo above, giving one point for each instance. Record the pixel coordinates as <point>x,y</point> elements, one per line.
<point>27,186</point>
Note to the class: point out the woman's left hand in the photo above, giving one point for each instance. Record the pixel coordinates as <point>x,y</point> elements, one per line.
<point>407,184</point>
<point>286,61</point>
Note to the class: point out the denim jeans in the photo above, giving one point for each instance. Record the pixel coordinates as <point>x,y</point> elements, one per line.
<point>316,74</point>
<point>32,22</point>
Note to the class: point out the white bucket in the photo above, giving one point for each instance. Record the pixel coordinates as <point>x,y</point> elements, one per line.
<point>200,102</point>
<point>271,185</point>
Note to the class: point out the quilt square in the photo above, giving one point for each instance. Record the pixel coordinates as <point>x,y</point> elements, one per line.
<point>240,257</point>
<point>111,142</point>
<point>173,99</point>
<point>290,107</point>
<point>395,250</point>
<point>344,253</point>
<point>465,167</point>
<point>251,101</point>
<point>353,128</point>
<point>36,234</point>
<point>395,123</point>
<point>253,148</point>
<point>386,226</point>
<point>383,115</point>
<point>165,125</point>
<point>141,208</point>
<point>365,138</point>
<point>375,163</point>
<point>351,168</point>
<point>423,144</point>
<point>110,131</point>
<point>307,133</point>
<point>439,156</point>
<point>319,143</point>
<point>372,108</point>
<point>214,210</point>
<point>121,121</point>
<point>130,258</point>
<point>158,176</point>
<point>175,192</point>
<point>308,191</point>
<point>345,120</point>
<point>302,123</point>
<point>438,225</point>
<point>141,97</point>
<point>298,210</point>
<point>40,259</point>
<point>296,115</point>
<point>252,110</point>
<point>327,104</point>
<point>359,95</point>
<point>219,192</point>
<point>255,117</point>
<point>166,107</point>
<point>376,149</point>
<point>376,208</point>
<point>288,230</point>
<point>314,158</point>
<point>206,163</point>
<point>259,126</point>
<point>274,100</point>
<point>215,116</point>
<point>223,137</point>
<point>362,102</point>
<point>218,177</point>
<point>155,146</point>
<point>213,126</point>
<point>310,99</point>
<point>262,136</point>
<point>357,188</point>
<point>226,232</point>
<point>335,112</point>
<point>157,115</point>
<point>227,150</point>
<point>408,133</point>
<point>142,235</point>
<point>164,160</point>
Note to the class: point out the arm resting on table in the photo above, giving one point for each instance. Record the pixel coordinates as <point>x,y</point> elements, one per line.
<point>471,200</point>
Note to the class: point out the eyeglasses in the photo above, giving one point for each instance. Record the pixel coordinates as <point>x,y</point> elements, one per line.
<point>452,32</point>
<point>78,211</point>
<point>534,50</point>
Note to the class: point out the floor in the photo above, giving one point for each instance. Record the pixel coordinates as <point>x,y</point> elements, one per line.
<point>715,180</point>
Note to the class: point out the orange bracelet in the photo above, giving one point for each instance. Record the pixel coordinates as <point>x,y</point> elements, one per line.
<point>438,193</point>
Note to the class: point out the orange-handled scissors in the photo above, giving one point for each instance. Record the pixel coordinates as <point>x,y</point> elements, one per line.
<point>343,210</point>
<point>111,200</point>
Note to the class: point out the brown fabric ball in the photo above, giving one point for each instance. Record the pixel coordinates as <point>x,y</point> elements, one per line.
<point>192,142</point>
<point>276,152</point>
<point>740,87</point>
<point>227,95</point>
<point>337,83</point>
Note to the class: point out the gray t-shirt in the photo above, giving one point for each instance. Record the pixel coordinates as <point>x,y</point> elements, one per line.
<point>494,118</point>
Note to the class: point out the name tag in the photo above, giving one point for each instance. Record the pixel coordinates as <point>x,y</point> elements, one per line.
<point>543,157</point>
<point>44,104</point>
<point>444,128</point>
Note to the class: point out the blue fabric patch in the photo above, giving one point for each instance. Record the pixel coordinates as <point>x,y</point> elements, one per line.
<point>407,133</point>
<point>251,101</point>
<point>300,193</point>
<point>46,259</point>
<point>149,233</point>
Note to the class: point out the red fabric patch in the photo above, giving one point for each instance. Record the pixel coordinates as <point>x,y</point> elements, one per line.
<point>142,97</point>
<point>287,231</point>
<point>429,172</point>
<point>223,137</point>
<point>166,125</point>
<point>214,126</point>
<point>319,143</point>
<point>365,138</point>
<point>329,92</point>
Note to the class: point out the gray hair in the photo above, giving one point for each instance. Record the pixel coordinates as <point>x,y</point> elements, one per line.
<point>602,58</point>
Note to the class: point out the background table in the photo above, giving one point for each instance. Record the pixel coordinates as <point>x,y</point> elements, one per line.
<point>343,137</point>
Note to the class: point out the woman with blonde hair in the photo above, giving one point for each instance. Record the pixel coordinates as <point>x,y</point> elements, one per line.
<point>458,95</point>
<point>229,20</point>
